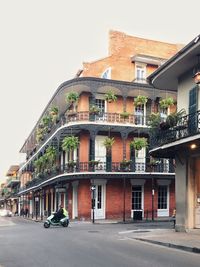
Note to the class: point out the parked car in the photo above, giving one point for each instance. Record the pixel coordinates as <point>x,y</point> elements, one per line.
<point>5,213</point>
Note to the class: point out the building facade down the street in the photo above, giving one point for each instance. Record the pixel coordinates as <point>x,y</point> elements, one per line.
<point>89,148</point>
<point>9,190</point>
<point>182,140</point>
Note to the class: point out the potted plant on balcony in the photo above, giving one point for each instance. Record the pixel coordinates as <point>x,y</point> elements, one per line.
<point>139,143</point>
<point>175,118</point>
<point>154,163</point>
<point>71,164</point>
<point>154,120</point>
<point>124,115</point>
<point>93,163</point>
<point>46,122</point>
<point>54,114</point>
<point>140,100</point>
<point>39,134</point>
<point>94,110</point>
<point>110,96</point>
<point>125,164</point>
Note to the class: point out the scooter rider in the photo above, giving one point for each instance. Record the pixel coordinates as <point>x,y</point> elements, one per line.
<point>61,213</point>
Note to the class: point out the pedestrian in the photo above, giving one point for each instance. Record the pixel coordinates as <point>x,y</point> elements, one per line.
<point>174,216</point>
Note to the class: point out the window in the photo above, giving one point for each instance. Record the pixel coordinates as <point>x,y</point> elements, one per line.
<point>100,103</point>
<point>140,73</point>
<point>139,115</point>
<point>136,197</point>
<point>162,197</point>
<point>106,74</point>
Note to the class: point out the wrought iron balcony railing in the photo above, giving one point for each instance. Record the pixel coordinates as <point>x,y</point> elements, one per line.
<point>187,126</point>
<point>164,167</point>
<point>107,117</point>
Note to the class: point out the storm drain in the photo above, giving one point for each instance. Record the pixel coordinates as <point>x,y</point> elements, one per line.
<point>93,231</point>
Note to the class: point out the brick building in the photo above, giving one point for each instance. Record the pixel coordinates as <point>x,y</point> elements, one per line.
<point>83,150</point>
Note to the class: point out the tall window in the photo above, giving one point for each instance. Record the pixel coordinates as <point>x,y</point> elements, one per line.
<point>162,197</point>
<point>136,197</point>
<point>100,103</point>
<point>140,73</point>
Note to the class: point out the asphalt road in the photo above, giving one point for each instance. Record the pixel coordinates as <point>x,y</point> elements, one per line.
<point>27,243</point>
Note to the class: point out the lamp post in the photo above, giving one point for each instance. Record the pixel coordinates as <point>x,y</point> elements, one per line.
<point>93,191</point>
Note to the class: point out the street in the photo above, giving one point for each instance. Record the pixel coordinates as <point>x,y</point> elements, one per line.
<point>27,243</point>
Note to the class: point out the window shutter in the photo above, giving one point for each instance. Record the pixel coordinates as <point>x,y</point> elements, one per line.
<point>193,107</point>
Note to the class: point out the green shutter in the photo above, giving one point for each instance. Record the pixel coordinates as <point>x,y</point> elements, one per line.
<point>193,107</point>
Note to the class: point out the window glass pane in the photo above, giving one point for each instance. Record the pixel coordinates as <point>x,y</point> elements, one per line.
<point>162,197</point>
<point>136,197</point>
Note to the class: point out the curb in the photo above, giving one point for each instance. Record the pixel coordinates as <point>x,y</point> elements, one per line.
<point>170,245</point>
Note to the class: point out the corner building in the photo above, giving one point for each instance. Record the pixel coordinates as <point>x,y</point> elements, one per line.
<point>124,183</point>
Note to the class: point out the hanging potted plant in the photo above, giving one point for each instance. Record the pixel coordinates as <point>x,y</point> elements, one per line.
<point>139,143</point>
<point>166,102</point>
<point>140,100</point>
<point>108,142</point>
<point>72,97</point>
<point>70,143</point>
<point>51,155</point>
<point>110,96</point>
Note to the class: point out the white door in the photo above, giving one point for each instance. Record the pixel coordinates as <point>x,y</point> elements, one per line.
<point>163,200</point>
<point>99,202</point>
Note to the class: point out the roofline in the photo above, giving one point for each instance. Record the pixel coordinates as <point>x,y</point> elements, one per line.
<point>152,76</point>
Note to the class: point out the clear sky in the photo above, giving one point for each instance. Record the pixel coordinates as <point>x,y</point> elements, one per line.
<point>44,42</point>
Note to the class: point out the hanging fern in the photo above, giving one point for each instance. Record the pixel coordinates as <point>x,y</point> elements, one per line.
<point>70,143</point>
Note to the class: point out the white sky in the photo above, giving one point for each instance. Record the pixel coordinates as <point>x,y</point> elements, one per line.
<point>44,42</point>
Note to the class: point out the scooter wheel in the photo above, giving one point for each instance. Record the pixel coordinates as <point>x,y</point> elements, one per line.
<point>65,224</point>
<point>46,225</point>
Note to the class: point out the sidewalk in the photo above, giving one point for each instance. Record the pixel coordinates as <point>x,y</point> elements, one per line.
<point>188,241</point>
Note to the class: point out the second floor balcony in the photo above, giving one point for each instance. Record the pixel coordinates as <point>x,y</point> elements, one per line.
<point>120,118</point>
<point>93,168</point>
<point>186,130</point>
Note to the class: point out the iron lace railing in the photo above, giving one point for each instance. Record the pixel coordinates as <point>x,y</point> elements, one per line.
<point>164,167</point>
<point>187,126</point>
<point>107,117</point>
